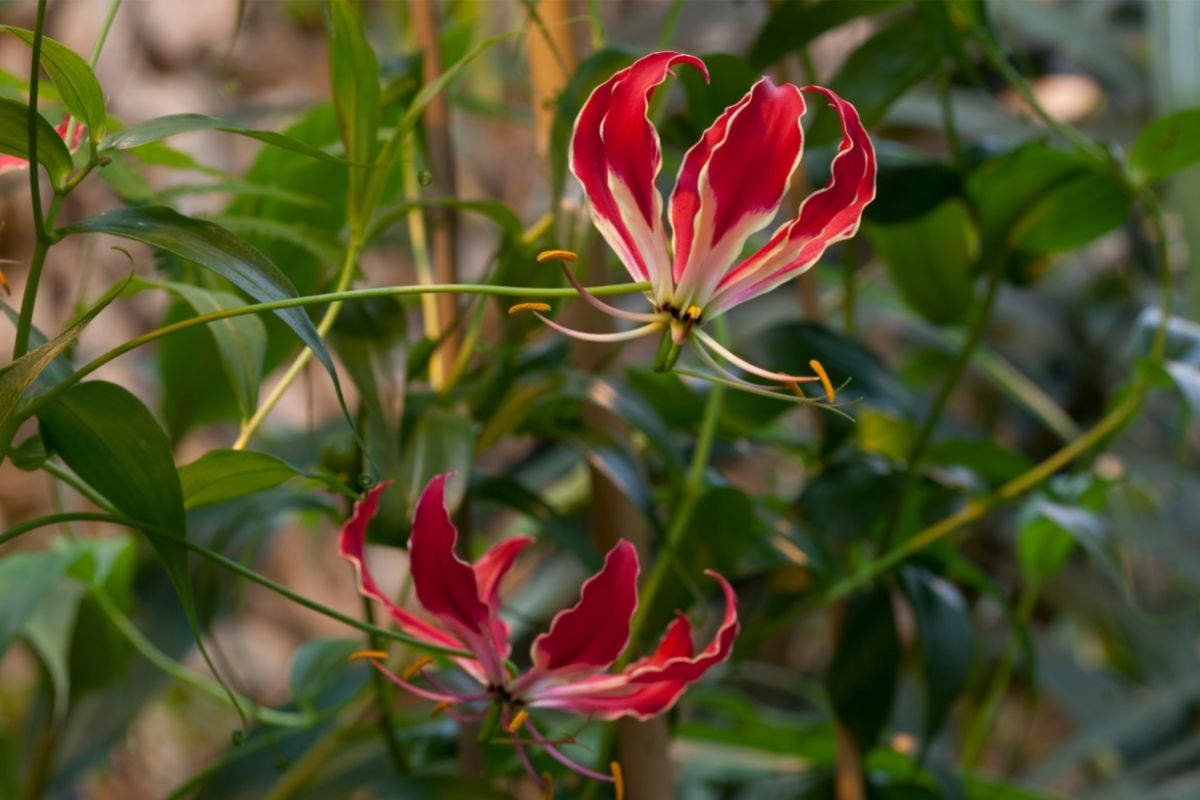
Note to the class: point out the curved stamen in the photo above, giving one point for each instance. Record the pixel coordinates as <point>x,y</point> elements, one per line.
<point>737,380</point>
<point>448,697</point>
<point>620,336</point>
<point>737,361</point>
<point>597,303</point>
<point>566,761</point>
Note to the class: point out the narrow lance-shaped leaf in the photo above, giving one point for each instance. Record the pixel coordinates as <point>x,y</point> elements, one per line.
<point>18,376</point>
<point>14,140</point>
<point>214,248</point>
<point>158,128</point>
<point>74,79</point>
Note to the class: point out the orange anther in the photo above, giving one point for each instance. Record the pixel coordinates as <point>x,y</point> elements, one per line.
<point>556,255</point>
<point>824,376</point>
<point>618,780</point>
<point>368,655</point>
<point>415,667</point>
<point>519,307</point>
<point>517,721</point>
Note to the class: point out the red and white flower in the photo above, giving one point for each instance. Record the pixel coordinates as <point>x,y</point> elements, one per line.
<point>730,186</point>
<point>569,662</point>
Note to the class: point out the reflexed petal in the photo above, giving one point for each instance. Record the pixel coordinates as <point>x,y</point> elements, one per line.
<point>351,544</point>
<point>675,643</point>
<point>826,217</point>
<point>689,668</point>
<point>445,584</point>
<point>731,184</point>
<point>652,685</point>
<point>489,571</point>
<point>591,635</point>
<point>616,156</point>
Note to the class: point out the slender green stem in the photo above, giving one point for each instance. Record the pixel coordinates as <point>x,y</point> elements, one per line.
<point>232,566</point>
<point>311,300</point>
<point>975,510</point>
<point>693,488</point>
<point>981,725</point>
<point>345,276</point>
<point>43,242</point>
<point>75,483</point>
<point>158,658</point>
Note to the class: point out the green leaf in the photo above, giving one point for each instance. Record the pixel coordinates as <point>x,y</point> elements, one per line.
<point>322,675</point>
<point>25,581</point>
<point>158,128</point>
<point>888,64</point>
<point>221,475</point>
<point>935,281</point>
<point>944,631</point>
<point>214,248</point>
<point>48,633</point>
<point>354,78</point>
<point>443,441</point>
<point>884,434</point>
<point>1039,200</point>
<point>1167,145</point>
<point>907,190</point>
<point>794,24</point>
<point>14,141</point>
<point>74,80</point>
<point>862,678</point>
<point>111,441</point>
<point>100,653</point>
<point>241,341</point>
<point>18,376</point>
<point>1049,532</point>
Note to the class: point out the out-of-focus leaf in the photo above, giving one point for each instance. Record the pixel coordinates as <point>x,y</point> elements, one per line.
<point>884,434</point>
<point>990,461</point>
<point>1049,531</point>
<point>241,341</point>
<point>99,652</point>
<point>14,140</point>
<point>723,526</point>
<point>19,375</point>
<point>321,246</point>
<point>905,191</point>
<point>505,218</point>
<point>48,633</point>
<point>878,72</point>
<point>862,678</point>
<point>944,631</point>
<point>793,24</point>
<point>934,280</point>
<point>153,130</point>
<point>1167,145</point>
<point>510,493</point>
<point>613,460</point>
<point>221,475</point>
<point>618,400</point>
<point>729,78</point>
<point>216,249</point>
<point>354,78</point>
<point>678,406</point>
<point>111,441</point>
<point>832,504</point>
<point>1039,200</point>
<point>596,69</point>
<point>25,580</point>
<point>73,78</point>
<point>322,676</point>
<point>442,441</point>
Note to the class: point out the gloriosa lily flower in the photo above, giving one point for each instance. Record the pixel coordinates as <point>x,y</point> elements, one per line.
<point>730,185</point>
<point>10,163</point>
<point>569,663</point>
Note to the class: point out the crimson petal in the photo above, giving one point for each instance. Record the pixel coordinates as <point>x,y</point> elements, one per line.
<point>615,155</point>
<point>489,571</point>
<point>591,635</point>
<point>689,668</point>
<point>445,584</point>
<point>351,545</point>
<point>731,184</point>
<point>825,217</point>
